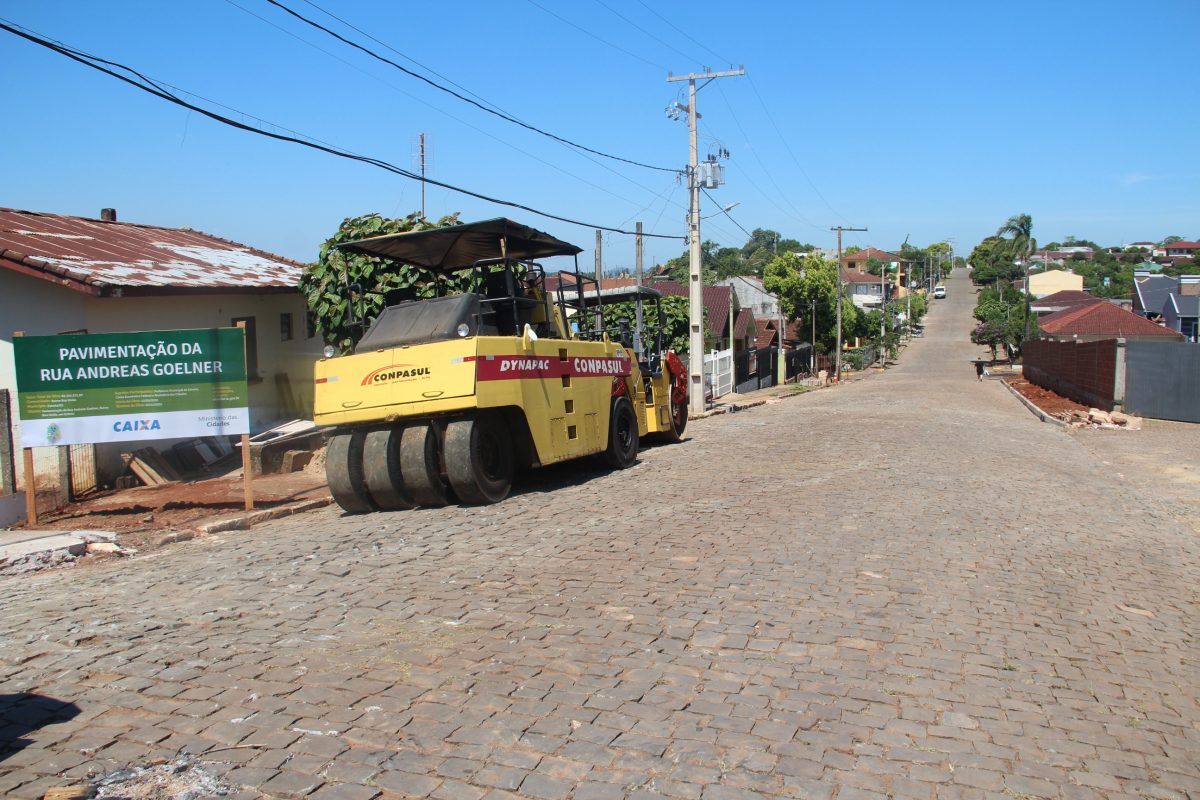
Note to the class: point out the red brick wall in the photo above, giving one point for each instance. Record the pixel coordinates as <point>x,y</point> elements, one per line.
<point>1086,372</point>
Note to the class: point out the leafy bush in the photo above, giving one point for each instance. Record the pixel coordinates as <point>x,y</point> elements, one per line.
<point>323,282</point>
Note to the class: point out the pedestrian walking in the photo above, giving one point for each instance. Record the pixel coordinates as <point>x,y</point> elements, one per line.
<point>979,370</point>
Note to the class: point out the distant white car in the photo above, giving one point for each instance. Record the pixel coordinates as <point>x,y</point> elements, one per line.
<point>939,291</point>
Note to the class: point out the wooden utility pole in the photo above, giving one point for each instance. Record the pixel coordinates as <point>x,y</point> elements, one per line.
<point>638,250</point>
<point>837,371</point>
<point>422,175</point>
<point>695,286</point>
<point>247,466</point>
<point>599,262</point>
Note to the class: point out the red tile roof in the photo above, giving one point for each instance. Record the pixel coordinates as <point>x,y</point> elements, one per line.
<point>764,333</point>
<point>854,276</point>
<point>1101,319</point>
<point>1067,298</point>
<point>1181,246</point>
<point>869,253</point>
<point>741,323</point>
<point>555,279</point>
<point>716,303</point>
<point>95,256</point>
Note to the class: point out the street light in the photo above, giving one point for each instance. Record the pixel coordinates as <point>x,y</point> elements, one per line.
<point>724,210</point>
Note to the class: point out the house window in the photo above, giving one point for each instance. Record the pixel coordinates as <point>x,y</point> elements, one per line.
<point>251,346</point>
<point>285,326</point>
<point>310,324</point>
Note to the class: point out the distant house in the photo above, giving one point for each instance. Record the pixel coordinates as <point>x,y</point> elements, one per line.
<point>863,289</point>
<point>1062,300</point>
<point>752,295</point>
<point>743,330</point>
<point>858,262</point>
<point>1095,321</point>
<point>1147,246</point>
<point>63,274</point>
<point>1046,283</point>
<point>1181,314</point>
<point>718,301</point>
<point>1181,249</point>
<point>1151,292</point>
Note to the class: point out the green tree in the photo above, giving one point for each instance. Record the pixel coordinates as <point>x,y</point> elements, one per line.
<point>806,284</point>
<point>761,239</point>
<point>324,282</point>
<point>991,334</point>
<point>681,269</point>
<point>675,309</point>
<point>1020,228</point>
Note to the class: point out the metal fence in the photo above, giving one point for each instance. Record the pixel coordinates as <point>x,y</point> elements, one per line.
<point>82,461</point>
<point>1162,380</point>
<point>718,371</point>
<point>798,362</point>
<point>755,369</point>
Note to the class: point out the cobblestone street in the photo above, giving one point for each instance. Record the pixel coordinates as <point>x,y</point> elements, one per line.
<point>901,587</point>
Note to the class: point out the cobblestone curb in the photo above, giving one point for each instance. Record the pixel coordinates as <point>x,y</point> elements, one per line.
<point>243,522</point>
<point>1037,412</point>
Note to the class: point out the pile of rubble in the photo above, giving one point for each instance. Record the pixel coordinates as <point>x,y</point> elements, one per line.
<point>181,779</point>
<point>1095,418</point>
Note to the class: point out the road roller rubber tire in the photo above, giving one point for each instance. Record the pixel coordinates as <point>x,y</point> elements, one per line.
<point>420,466</point>
<point>381,469</point>
<point>622,435</point>
<point>344,472</point>
<point>479,459</point>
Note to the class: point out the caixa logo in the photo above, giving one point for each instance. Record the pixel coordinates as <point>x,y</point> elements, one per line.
<point>135,425</point>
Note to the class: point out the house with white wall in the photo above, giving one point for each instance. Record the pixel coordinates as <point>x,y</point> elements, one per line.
<point>62,274</point>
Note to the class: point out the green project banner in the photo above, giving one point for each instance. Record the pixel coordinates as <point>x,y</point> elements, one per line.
<point>116,387</point>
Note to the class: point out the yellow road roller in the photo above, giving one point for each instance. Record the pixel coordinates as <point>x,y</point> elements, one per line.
<point>444,398</point>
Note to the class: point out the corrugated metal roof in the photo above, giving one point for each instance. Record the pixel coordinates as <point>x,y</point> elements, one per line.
<point>105,255</point>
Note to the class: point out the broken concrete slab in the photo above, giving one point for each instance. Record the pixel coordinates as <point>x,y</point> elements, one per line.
<point>15,545</point>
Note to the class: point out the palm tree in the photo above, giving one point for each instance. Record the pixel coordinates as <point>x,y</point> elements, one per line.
<point>1020,227</point>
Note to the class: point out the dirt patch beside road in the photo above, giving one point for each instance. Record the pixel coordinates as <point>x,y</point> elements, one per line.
<point>146,514</point>
<point>1044,399</point>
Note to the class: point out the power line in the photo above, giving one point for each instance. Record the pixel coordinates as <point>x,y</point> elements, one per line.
<point>633,24</point>
<point>151,87</point>
<point>464,98</point>
<point>405,56</point>
<point>763,166</point>
<point>447,114</point>
<point>725,211</point>
<point>586,32</point>
<point>683,33</point>
<point>788,147</point>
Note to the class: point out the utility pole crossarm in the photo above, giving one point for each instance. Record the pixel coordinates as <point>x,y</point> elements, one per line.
<point>697,76</point>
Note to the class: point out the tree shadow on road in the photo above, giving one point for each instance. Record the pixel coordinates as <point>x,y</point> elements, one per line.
<point>23,713</point>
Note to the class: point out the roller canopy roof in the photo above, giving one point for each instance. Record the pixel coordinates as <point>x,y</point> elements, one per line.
<point>460,246</point>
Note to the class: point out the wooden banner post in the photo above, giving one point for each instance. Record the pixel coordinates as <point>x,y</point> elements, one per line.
<point>31,517</point>
<point>247,467</point>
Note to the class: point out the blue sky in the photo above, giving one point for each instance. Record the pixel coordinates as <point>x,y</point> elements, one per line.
<point>926,120</point>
